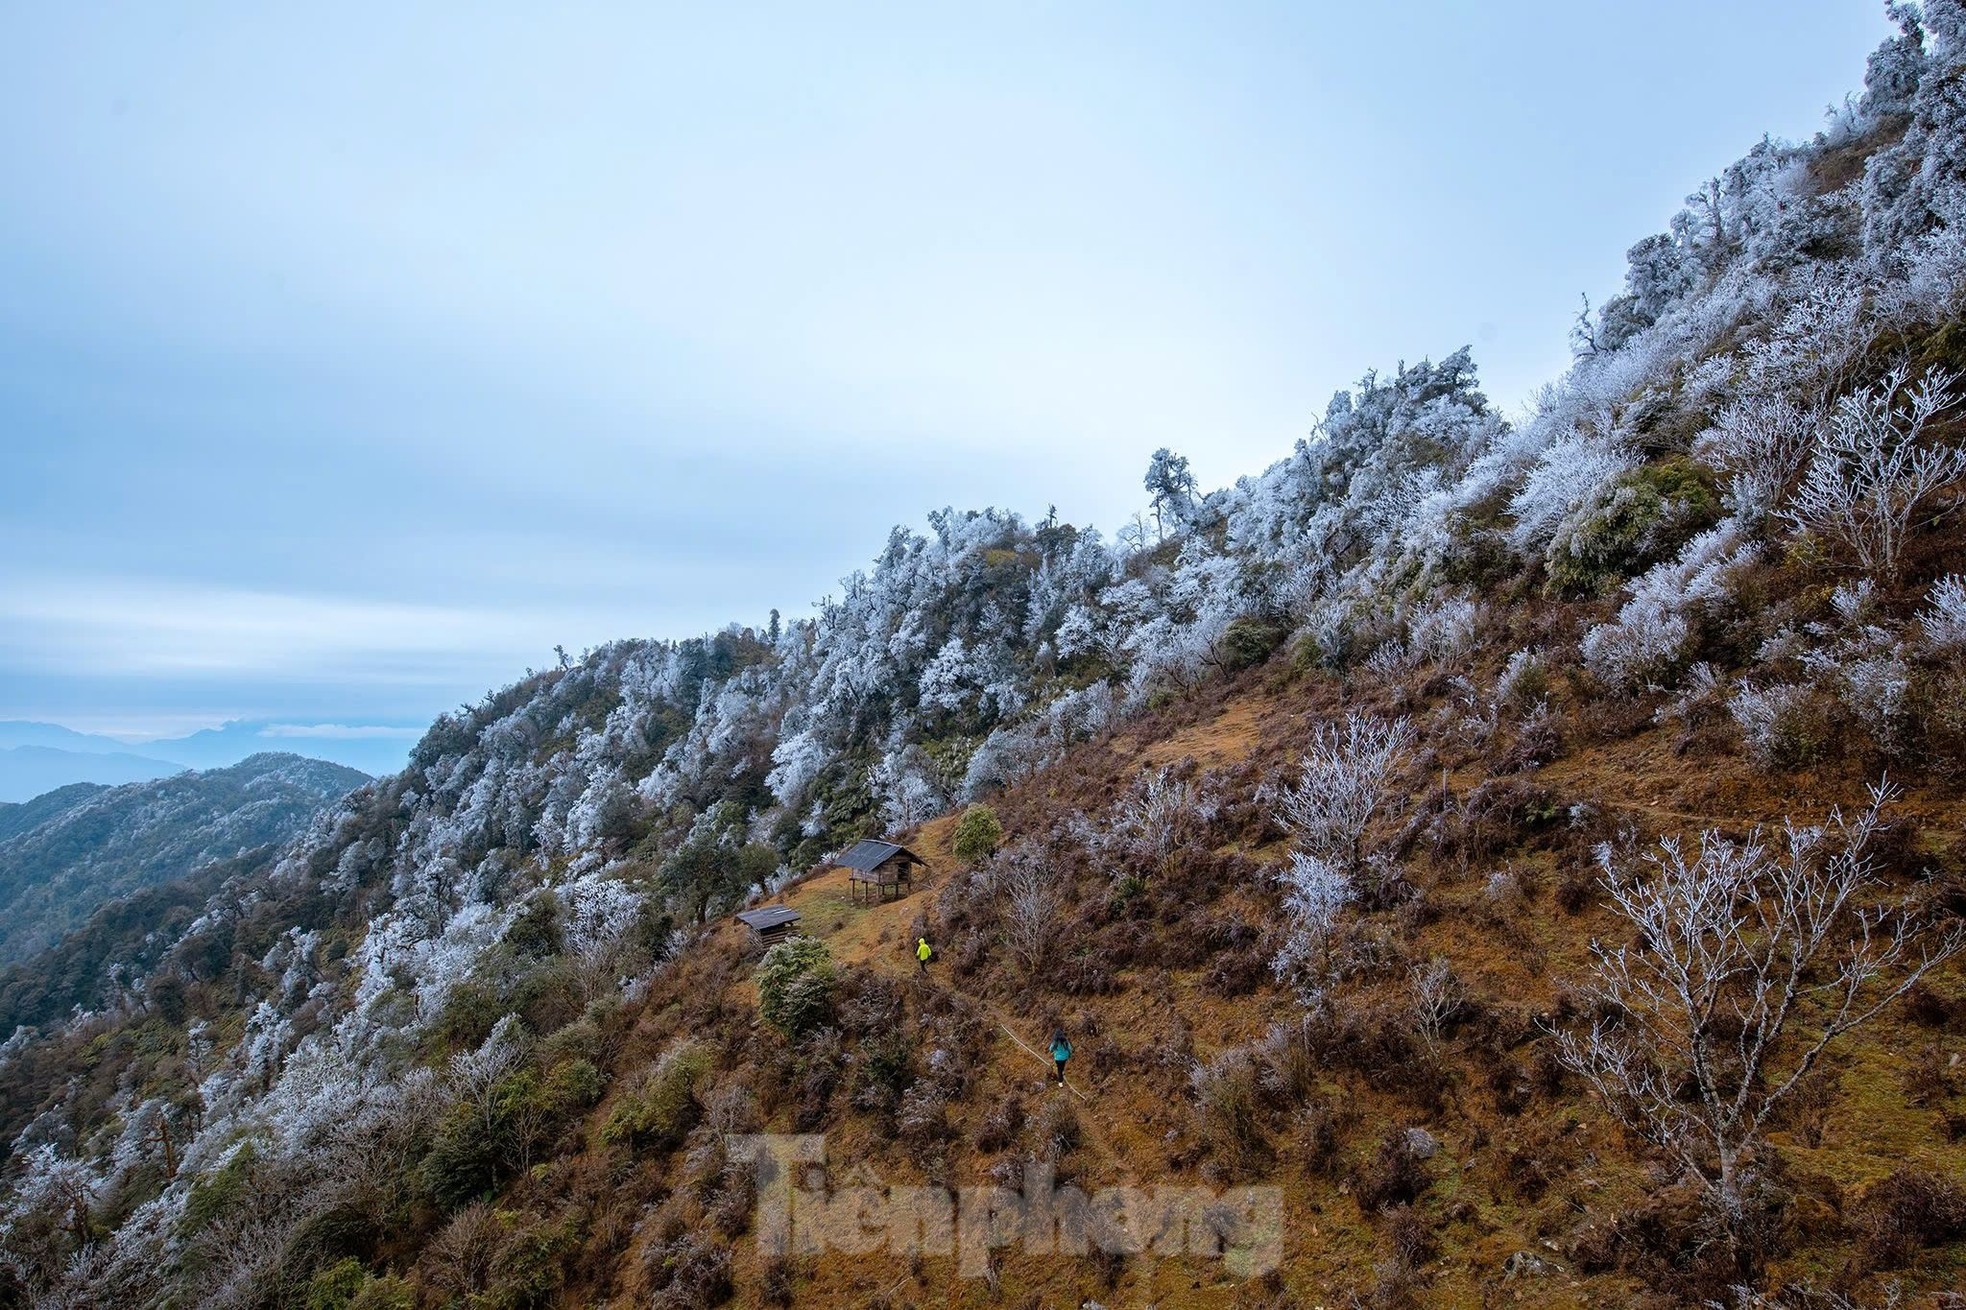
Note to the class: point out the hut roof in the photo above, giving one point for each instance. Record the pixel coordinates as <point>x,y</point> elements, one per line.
<point>771,916</point>
<point>870,855</point>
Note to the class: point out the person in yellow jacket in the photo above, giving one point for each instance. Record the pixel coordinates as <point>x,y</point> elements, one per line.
<point>922,953</point>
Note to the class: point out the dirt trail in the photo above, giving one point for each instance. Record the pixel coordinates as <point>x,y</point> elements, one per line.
<point>880,935</point>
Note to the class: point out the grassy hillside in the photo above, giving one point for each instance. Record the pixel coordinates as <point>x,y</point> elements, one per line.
<point>1534,1197</point>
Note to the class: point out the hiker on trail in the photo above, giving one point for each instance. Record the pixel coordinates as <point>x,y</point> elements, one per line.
<point>1061,1051</point>
<point>922,952</point>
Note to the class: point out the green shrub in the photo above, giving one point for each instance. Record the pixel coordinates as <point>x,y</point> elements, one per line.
<point>580,1040</point>
<point>337,1286</point>
<point>465,1159</point>
<point>795,985</point>
<point>470,1012</point>
<point>978,834</point>
<point>535,932</point>
<point>1128,888</point>
<point>387,1293</point>
<point>550,995</point>
<point>661,1111</point>
<point>529,1268</point>
<point>215,1194</point>
<point>1640,519</point>
<point>950,758</point>
<point>573,1086</point>
<point>1248,642</point>
<point>887,1061</point>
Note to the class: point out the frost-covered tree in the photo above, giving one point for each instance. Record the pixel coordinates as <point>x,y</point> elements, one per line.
<point>1030,908</point>
<point>906,784</point>
<point>1943,620</point>
<point>1750,959</point>
<point>1342,782</point>
<point>1892,72</point>
<point>1155,819</point>
<point>1171,486</point>
<point>1873,473</point>
<point>1316,893</point>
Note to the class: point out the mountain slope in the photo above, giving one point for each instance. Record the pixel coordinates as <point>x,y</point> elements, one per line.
<point>481,1036</point>
<point>64,854</point>
<point>17,817</point>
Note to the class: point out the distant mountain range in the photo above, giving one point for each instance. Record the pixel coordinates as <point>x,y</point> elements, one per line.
<point>29,771</point>
<point>68,851</point>
<point>39,757</point>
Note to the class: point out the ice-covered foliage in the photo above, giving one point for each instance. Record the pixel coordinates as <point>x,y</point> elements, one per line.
<point>1162,812</point>
<point>1768,719</point>
<point>1643,646</point>
<point>1567,476</point>
<point>909,791</point>
<point>1342,781</point>
<point>1443,630</point>
<point>1872,471</point>
<point>1316,894</point>
<point>1943,619</point>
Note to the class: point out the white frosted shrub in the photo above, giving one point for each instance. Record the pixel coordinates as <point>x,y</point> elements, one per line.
<point>1943,620</point>
<point>1639,649</point>
<point>1767,719</point>
<point>1444,630</point>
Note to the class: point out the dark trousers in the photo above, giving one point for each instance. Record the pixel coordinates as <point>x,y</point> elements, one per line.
<point>1061,1069</point>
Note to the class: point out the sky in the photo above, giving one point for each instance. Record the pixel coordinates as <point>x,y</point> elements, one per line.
<point>354,356</point>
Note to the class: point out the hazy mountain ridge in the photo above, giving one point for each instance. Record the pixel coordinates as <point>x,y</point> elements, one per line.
<point>64,854</point>
<point>29,771</point>
<point>38,757</point>
<point>1641,575</point>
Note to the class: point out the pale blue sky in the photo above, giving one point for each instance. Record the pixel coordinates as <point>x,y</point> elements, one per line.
<point>353,355</point>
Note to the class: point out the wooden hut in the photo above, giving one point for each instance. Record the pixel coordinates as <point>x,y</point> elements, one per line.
<point>880,867</point>
<point>771,924</point>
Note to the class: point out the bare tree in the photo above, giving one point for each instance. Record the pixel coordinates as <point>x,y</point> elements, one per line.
<point>1155,819</point>
<point>1436,996</point>
<point>1031,906</point>
<point>1871,477</point>
<point>1315,894</point>
<point>1752,957</point>
<point>1583,331</point>
<point>459,1259</point>
<point>1342,782</point>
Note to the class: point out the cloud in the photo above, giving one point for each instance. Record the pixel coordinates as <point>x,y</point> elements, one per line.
<point>127,626</point>
<point>341,731</point>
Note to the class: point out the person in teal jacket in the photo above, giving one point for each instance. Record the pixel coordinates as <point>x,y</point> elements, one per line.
<point>1061,1051</point>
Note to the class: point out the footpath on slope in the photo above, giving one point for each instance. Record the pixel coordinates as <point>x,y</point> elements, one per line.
<point>880,936</point>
